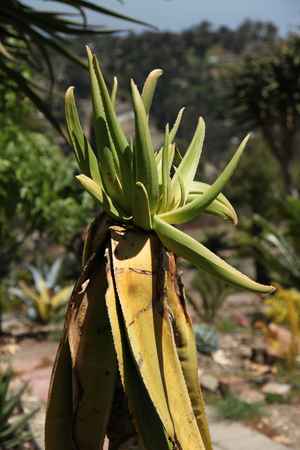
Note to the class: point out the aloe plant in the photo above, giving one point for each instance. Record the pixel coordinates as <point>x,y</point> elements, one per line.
<point>46,299</point>
<point>127,320</point>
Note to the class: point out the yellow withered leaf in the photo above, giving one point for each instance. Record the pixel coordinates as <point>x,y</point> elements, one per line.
<point>186,428</point>
<point>147,422</point>
<point>59,416</point>
<point>186,348</point>
<point>93,358</point>
<point>136,273</point>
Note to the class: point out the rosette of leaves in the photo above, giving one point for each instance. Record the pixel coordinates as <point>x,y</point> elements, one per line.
<point>127,317</point>
<point>46,300</point>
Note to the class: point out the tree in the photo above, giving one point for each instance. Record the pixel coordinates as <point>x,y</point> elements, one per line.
<point>37,194</point>
<point>28,36</point>
<point>265,94</point>
<point>127,319</point>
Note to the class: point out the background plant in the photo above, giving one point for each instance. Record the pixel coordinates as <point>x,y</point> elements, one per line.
<point>213,293</point>
<point>276,252</point>
<point>45,301</point>
<point>29,36</point>
<point>14,423</point>
<point>284,308</point>
<point>265,94</point>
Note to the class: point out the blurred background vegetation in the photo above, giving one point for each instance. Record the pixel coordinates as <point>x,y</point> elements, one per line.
<point>239,80</point>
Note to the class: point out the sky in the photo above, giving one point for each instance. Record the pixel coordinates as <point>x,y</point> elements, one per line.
<point>176,15</point>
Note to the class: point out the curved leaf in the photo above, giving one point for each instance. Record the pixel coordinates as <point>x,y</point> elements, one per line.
<point>187,247</point>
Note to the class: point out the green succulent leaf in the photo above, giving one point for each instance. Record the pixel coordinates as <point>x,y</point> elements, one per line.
<point>114,92</point>
<point>191,210</point>
<point>145,166</point>
<point>176,125</point>
<point>165,178</point>
<point>189,164</point>
<point>141,208</point>
<point>85,155</point>
<point>192,250</point>
<point>89,185</point>
<point>132,183</point>
<point>220,206</point>
<point>149,88</point>
<point>118,137</point>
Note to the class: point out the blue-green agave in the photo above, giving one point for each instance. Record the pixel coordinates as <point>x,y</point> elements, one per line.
<point>137,184</point>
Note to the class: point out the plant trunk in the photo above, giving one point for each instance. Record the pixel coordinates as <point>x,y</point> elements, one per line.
<point>97,389</point>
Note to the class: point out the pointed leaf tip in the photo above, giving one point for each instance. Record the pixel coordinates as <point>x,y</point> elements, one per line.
<point>149,88</point>
<point>192,250</point>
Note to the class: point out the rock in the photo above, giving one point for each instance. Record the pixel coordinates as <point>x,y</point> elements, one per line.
<point>209,382</point>
<point>281,439</point>
<point>245,351</point>
<point>279,389</point>
<point>230,383</point>
<point>251,396</point>
<point>220,358</point>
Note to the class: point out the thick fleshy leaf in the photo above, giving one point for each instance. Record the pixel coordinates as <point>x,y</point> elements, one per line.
<point>127,173</point>
<point>145,166</point>
<point>220,206</point>
<point>59,415</point>
<point>149,88</point>
<point>141,207</point>
<point>93,357</point>
<point>187,247</point>
<point>184,420</point>
<point>199,187</point>
<point>85,155</point>
<point>114,92</point>
<point>118,137</point>
<point>165,178</point>
<point>186,348</point>
<point>89,185</point>
<point>146,419</point>
<point>106,151</point>
<point>176,125</point>
<point>189,164</point>
<point>136,273</point>
<point>74,126</point>
<point>114,210</point>
<point>98,108</point>
<point>191,210</point>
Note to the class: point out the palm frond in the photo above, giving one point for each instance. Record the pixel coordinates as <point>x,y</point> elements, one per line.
<point>28,36</point>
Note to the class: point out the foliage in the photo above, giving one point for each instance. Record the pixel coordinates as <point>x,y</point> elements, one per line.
<point>232,408</point>
<point>14,430</point>
<point>36,192</point>
<point>258,188</point>
<point>47,300</point>
<point>30,35</point>
<point>291,214</point>
<point>265,94</point>
<point>213,293</point>
<point>135,185</point>
<point>276,253</point>
<point>128,313</point>
<point>284,307</point>
<point>195,60</point>
<point>278,306</point>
